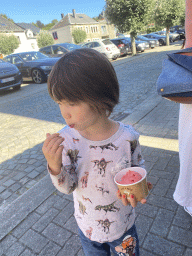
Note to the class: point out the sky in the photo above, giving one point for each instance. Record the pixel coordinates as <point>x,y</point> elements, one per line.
<point>47,10</point>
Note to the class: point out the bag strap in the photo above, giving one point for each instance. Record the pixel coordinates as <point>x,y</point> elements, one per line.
<point>182,60</point>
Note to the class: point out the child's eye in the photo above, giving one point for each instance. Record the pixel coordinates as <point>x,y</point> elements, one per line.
<point>71,104</point>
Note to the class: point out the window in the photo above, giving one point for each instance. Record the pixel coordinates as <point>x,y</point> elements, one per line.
<point>59,50</point>
<point>95,44</point>
<point>103,29</point>
<point>46,50</point>
<point>94,29</point>
<point>79,27</point>
<point>87,30</point>
<point>55,35</point>
<point>33,45</point>
<point>16,60</point>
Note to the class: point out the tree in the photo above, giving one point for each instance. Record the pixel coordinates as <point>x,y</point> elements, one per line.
<point>129,15</point>
<point>169,13</point>
<point>8,43</point>
<point>44,38</point>
<point>79,36</point>
<point>5,16</point>
<point>39,24</point>
<point>50,25</point>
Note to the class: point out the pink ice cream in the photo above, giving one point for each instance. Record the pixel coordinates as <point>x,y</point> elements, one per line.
<point>130,177</point>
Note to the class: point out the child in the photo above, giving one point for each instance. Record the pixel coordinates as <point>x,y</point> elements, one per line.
<point>86,154</point>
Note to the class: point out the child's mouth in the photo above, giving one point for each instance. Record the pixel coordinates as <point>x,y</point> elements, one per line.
<point>71,125</point>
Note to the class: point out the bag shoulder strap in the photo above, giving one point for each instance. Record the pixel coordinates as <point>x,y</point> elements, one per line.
<point>182,60</point>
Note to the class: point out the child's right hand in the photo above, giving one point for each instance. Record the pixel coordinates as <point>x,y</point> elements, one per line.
<point>52,150</point>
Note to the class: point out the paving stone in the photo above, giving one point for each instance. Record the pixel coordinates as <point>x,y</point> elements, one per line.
<point>15,249</point>
<point>15,187</point>
<point>6,243</point>
<point>177,233</point>
<point>29,169</point>
<point>163,202</point>
<point>2,189</point>
<point>147,209</point>
<point>33,174</point>
<point>161,246</point>
<point>56,234</point>
<point>143,224</point>
<point>34,241</point>
<point>162,222</point>
<point>60,203</point>
<point>161,187</point>
<point>188,252</point>
<point>62,217</point>
<point>182,219</point>
<point>26,224</point>
<point>73,245</point>
<point>5,194</point>
<point>51,249</point>
<point>71,225</point>
<point>8,183</point>
<point>27,252</point>
<point>47,204</point>
<point>45,220</point>
<point>81,253</point>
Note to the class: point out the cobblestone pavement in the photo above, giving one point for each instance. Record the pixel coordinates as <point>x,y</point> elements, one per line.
<point>40,221</point>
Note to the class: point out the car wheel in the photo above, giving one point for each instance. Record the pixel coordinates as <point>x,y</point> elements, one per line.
<point>161,42</point>
<point>17,87</point>
<point>37,76</point>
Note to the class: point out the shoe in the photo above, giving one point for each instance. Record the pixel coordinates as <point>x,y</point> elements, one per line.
<point>188,210</point>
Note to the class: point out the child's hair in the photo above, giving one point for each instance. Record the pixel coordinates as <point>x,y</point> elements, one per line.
<point>85,75</point>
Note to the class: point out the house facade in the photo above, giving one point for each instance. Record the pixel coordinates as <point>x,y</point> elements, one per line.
<point>62,31</point>
<point>26,37</point>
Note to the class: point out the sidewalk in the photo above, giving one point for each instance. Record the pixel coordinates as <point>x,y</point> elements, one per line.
<point>41,222</point>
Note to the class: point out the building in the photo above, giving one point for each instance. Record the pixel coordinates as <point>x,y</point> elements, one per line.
<point>26,37</point>
<point>62,31</point>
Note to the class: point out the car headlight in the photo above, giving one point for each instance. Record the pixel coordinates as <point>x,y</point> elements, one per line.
<point>46,67</point>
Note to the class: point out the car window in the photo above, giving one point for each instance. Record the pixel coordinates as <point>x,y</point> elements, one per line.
<point>16,59</point>
<point>71,47</point>
<point>95,44</point>
<point>8,59</point>
<point>47,50</point>
<point>59,50</point>
<point>107,42</point>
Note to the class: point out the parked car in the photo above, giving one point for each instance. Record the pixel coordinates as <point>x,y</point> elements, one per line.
<point>160,38</point>
<point>10,76</point>
<point>104,46</point>
<point>123,46</point>
<point>152,42</point>
<point>140,45</point>
<point>58,50</point>
<point>180,30</point>
<point>33,65</point>
<point>173,35</point>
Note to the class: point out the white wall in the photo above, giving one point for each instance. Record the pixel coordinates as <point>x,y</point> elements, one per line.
<point>25,43</point>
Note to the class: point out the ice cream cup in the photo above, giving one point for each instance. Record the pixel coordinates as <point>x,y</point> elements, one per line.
<point>138,189</point>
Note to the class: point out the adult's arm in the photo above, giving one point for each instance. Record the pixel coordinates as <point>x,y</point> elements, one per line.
<point>188,24</point>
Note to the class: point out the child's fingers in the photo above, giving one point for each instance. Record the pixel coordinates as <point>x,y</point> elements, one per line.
<point>150,186</point>
<point>59,150</point>
<point>49,138</point>
<point>143,201</point>
<point>133,201</point>
<point>55,143</point>
<point>119,196</point>
<point>124,200</point>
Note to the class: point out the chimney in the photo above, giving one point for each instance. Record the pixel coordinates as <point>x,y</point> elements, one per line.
<point>62,15</point>
<point>74,13</point>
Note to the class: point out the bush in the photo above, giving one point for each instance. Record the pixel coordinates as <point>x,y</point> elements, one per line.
<point>44,39</point>
<point>79,36</point>
<point>8,43</point>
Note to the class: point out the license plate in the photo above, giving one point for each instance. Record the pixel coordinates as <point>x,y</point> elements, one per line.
<point>5,80</point>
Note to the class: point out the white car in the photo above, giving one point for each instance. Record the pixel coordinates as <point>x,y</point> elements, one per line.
<point>105,46</point>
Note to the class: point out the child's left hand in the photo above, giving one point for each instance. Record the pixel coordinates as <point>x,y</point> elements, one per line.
<point>132,199</point>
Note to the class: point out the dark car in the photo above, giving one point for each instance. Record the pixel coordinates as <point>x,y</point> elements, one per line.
<point>173,36</point>
<point>160,38</point>
<point>180,30</point>
<point>152,42</point>
<point>140,46</point>
<point>58,50</point>
<point>33,65</point>
<point>10,76</point>
<point>123,46</point>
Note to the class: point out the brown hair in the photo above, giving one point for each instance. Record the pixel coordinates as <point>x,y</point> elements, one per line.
<point>85,75</point>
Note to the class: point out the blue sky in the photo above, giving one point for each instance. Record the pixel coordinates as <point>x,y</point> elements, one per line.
<point>47,10</point>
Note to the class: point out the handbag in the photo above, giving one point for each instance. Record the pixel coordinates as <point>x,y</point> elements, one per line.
<point>175,81</point>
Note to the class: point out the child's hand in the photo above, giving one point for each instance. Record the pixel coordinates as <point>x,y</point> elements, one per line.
<point>132,199</point>
<point>52,150</point>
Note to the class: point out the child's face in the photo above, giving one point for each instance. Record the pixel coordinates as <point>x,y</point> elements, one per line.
<point>79,116</point>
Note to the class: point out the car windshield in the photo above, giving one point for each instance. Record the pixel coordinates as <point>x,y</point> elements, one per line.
<point>71,47</point>
<point>107,41</point>
<point>30,56</point>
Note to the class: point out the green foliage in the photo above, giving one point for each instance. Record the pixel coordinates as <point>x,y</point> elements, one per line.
<point>50,25</point>
<point>5,16</point>
<point>130,15</point>
<point>8,43</point>
<point>44,38</point>
<point>79,36</point>
<point>169,13</point>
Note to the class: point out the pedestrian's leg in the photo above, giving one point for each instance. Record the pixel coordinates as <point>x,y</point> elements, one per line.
<point>130,242</point>
<point>92,248</point>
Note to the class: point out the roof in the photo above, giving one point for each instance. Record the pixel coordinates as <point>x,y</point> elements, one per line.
<point>30,26</point>
<point>8,26</point>
<point>69,19</point>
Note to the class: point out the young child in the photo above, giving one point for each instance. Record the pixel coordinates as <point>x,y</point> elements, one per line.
<point>85,155</point>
